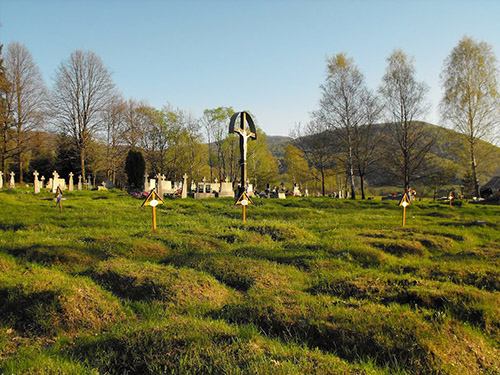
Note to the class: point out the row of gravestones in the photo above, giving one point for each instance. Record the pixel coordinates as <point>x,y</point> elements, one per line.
<point>203,189</point>
<point>54,182</point>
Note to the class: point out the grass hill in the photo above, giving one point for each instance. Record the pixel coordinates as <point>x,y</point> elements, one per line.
<point>305,286</point>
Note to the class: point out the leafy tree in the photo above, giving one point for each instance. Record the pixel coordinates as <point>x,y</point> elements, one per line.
<point>404,98</point>
<point>296,166</point>
<point>27,98</point>
<point>83,91</point>
<point>471,100</point>
<point>135,167</point>
<point>216,122</point>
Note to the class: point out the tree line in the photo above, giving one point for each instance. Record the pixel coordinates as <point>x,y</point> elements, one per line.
<point>95,127</point>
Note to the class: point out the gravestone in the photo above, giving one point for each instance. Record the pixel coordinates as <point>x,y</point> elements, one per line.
<point>71,187</point>
<point>203,190</point>
<point>89,183</point>
<point>42,182</point>
<point>226,189</point>
<point>184,186</point>
<point>55,182</point>
<point>306,193</point>
<point>296,191</point>
<point>36,183</point>
<point>281,191</point>
<point>12,183</point>
<point>1,180</point>
<point>146,182</point>
<point>79,187</point>
<point>152,184</point>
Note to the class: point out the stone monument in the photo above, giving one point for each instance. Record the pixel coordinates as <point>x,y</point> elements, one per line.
<point>244,134</point>
<point>36,183</point>
<point>42,182</point>
<point>79,187</point>
<point>1,180</point>
<point>55,182</point>
<point>184,186</point>
<point>12,183</point>
<point>71,187</point>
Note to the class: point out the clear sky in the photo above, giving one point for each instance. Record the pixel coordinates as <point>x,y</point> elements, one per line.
<point>267,57</point>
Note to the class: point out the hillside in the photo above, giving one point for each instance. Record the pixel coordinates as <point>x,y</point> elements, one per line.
<point>449,146</point>
<point>305,286</point>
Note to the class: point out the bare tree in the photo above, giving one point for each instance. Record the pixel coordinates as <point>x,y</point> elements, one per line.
<point>83,89</point>
<point>6,118</point>
<point>344,107</point>
<point>114,124</point>
<point>26,97</point>
<point>366,144</point>
<point>314,140</point>
<point>404,100</point>
<point>471,100</point>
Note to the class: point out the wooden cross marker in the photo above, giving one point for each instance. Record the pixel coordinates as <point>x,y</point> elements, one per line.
<point>243,201</point>
<point>451,197</point>
<point>404,202</point>
<point>153,200</point>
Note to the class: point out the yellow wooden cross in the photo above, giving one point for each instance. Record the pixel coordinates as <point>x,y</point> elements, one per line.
<point>153,200</point>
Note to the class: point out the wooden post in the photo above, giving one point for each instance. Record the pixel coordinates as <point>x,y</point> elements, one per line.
<point>244,214</point>
<point>405,201</point>
<point>154,218</point>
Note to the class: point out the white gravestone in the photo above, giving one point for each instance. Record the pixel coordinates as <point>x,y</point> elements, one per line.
<point>36,183</point>
<point>42,181</point>
<point>71,187</point>
<point>184,186</point>
<point>1,180</point>
<point>79,187</point>
<point>12,183</point>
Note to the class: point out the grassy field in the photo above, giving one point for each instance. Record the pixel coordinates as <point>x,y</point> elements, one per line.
<point>305,286</point>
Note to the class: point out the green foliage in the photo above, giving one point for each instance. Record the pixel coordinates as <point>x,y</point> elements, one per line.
<point>135,166</point>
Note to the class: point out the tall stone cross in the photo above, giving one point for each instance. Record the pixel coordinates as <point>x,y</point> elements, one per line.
<point>36,183</point>
<point>79,186</point>
<point>71,186</point>
<point>42,181</point>
<point>55,181</point>
<point>12,182</point>
<point>244,134</point>
<point>1,179</point>
<point>184,186</point>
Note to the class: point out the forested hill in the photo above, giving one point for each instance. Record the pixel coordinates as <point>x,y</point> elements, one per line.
<point>450,149</point>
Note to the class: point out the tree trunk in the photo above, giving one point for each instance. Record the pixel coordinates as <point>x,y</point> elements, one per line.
<point>473,166</point>
<point>362,186</point>
<point>351,176</point>
<point>82,161</point>
<point>323,181</point>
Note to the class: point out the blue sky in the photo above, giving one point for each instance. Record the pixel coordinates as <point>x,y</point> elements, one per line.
<point>264,56</point>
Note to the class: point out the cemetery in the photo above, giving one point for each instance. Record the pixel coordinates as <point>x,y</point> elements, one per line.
<point>304,212</point>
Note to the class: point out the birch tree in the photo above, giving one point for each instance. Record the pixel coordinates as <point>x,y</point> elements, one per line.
<point>404,99</point>
<point>471,100</point>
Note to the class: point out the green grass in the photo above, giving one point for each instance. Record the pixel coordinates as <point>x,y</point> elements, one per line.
<point>305,286</point>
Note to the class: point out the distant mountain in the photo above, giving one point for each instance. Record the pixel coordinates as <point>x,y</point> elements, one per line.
<point>450,147</point>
